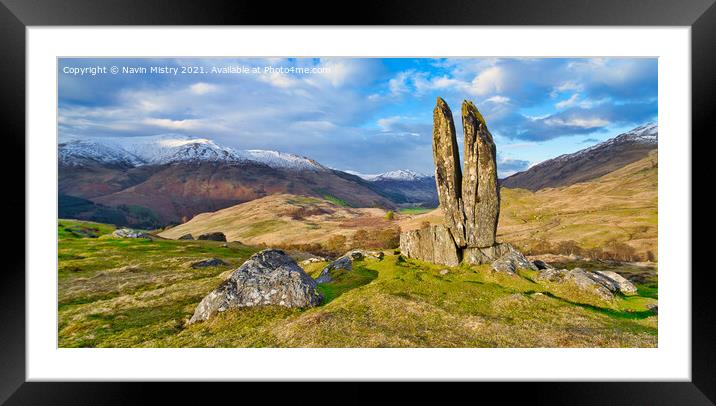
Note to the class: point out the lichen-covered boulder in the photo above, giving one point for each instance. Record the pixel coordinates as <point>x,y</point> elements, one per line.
<point>620,283</point>
<point>215,236</point>
<point>269,277</point>
<point>588,282</point>
<point>432,244</point>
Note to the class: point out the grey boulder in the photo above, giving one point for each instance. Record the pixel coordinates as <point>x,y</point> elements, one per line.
<point>511,262</point>
<point>186,237</point>
<point>269,277</point>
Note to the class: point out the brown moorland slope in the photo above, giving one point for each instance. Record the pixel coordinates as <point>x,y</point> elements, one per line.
<point>620,206</point>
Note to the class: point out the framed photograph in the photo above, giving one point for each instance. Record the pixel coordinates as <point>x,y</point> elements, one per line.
<point>464,191</point>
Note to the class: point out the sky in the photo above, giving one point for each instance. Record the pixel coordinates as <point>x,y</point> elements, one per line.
<point>368,115</point>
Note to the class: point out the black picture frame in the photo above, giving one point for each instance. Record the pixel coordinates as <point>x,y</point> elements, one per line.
<point>16,15</point>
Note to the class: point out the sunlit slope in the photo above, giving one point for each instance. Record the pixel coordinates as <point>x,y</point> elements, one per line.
<point>283,219</point>
<point>621,206</point>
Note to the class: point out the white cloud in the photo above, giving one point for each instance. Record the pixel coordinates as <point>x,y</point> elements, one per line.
<point>577,122</point>
<point>187,124</point>
<point>568,102</point>
<point>399,84</point>
<point>202,88</point>
<point>498,99</point>
<point>490,80</point>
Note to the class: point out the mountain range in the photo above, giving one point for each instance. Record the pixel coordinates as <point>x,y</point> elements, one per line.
<point>152,181</point>
<point>157,180</point>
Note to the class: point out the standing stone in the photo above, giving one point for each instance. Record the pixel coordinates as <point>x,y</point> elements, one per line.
<point>448,175</point>
<point>480,192</point>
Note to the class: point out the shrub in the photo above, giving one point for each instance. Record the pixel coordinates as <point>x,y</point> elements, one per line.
<point>389,215</point>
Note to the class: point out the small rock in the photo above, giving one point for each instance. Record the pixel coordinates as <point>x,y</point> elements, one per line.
<point>312,260</point>
<point>541,264</point>
<point>444,272</point>
<point>186,237</point>
<point>355,255</point>
<point>129,233</point>
<point>653,308</point>
<point>208,262</point>
<point>215,236</point>
<point>512,261</point>
<point>343,262</point>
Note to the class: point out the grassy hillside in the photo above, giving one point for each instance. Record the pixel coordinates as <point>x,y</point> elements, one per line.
<point>139,293</point>
<point>621,206</point>
<point>284,219</point>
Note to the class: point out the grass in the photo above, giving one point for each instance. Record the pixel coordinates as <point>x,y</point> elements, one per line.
<point>415,210</point>
<point>139,293</point>
<point>337,201</point>
<point>81,229</point>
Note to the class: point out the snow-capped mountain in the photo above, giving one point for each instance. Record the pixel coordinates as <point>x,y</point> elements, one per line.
<point>171,148</point>
<point>588,163</point>
<point>399,175</point>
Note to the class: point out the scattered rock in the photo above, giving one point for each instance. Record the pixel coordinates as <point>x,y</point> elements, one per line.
<point>379,255</point>
<point>355,255</point>
<point>312,260</point>
<point>343,262</point>
<point>622,284</point>
<point>510,262</point>
<point>583,280</point>
<point>444,272</point>
<point>186,237</point>
<point>433,244</point>
<point>269,277</point>
<point>129,233</point>
<point>653,308</point>
<point>208,262</point>
<point>541,264</point>
<point>215,236</point>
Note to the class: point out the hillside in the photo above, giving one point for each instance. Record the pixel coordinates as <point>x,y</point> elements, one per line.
<point>283,219</point>
<point>621,206</point>
<point>140,293</point>
<point>589,163</point>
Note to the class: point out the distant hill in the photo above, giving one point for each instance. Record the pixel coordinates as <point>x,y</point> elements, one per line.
<point>589,163</point>
<point>283,219</point>
<point>621,205</point>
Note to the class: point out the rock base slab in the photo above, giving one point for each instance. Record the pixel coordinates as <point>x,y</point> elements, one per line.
<point>433,244</point>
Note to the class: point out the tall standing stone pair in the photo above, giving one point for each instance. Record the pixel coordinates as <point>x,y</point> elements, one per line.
<point>470,201</point>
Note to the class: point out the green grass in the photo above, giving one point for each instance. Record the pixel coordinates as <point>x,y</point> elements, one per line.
<point>336,201</point>
<point>415,210</point>
<point>140,293</point>
<point>82,229</point>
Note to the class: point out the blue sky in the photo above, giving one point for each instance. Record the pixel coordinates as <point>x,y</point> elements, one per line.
<point>366,115</point>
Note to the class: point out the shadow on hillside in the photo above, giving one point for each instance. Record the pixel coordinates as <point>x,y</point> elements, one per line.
<point>344,281</point>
